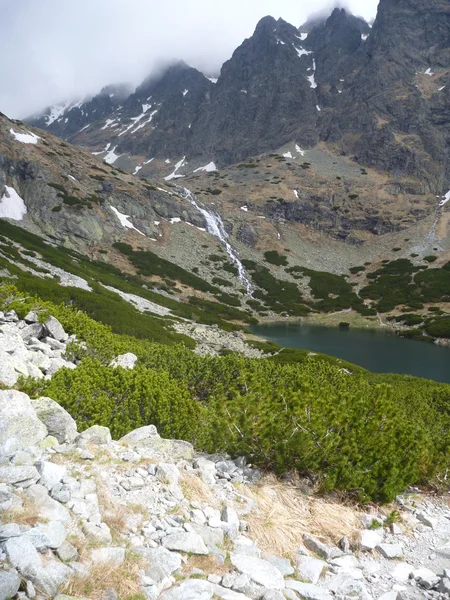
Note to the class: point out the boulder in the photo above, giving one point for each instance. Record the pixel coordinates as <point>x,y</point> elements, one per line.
<point>51,473</point>
<point>310,569</point>
<point>368,539</point>
<point>197,589</point>
<point>185,542</point>
<point>46,507</point>
<point>47,535</point>
<point>390,550</point>
<point>97,435</point>
<point>8,374</point>
<point>111,556</point>
<point>126,361</point>
<point>308,591</point>
<point>18,475</point>
<point>66,552</point>
<point>161,563</point>
<point>57,420</point>
<point>35,330</point>
<point>259,570</point>
<point>55,329</point>
<point>323,550</point>
<point>282,564</point>
<point>425,578</point>
<point>97,533</point>
<point>147,438</point>
<point>19,420</point>
<point>9,584</point>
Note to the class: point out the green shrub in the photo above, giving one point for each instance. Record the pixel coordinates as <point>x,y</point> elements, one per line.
<point>272,257</point>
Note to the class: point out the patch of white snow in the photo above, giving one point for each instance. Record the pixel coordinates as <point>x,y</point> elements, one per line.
<point>174,174</point>
<point>124,220</point>
<point>445,199</point>
<point>287,155</point>
<point>209,168</point>
<point>111,157</point>
<point>25,138</point>
<point>12,206</point>
<point>299,150</point>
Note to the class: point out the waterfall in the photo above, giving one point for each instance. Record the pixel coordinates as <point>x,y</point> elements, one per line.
<point>215,227</point>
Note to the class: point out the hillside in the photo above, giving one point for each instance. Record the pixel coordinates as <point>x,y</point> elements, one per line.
<point>124,474</point>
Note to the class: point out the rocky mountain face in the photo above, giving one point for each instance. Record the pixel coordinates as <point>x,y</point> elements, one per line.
<point>377,94</point>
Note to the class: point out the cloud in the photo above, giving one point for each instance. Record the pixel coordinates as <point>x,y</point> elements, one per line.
<point>52,49</point>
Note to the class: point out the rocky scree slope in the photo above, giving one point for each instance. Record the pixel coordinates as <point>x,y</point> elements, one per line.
<point>82,515</point>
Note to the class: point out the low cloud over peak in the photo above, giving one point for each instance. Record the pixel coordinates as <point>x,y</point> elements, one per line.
<point>53,50</point>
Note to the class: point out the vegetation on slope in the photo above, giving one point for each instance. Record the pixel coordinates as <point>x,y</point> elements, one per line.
<point>370,434</point>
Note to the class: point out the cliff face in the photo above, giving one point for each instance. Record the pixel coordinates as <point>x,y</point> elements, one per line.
<point>378,93</point>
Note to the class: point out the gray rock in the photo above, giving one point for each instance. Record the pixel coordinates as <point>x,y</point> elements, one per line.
<point>66,552</point>
<point>18,475</point>
<point>323,550</point>
<point>51,473</point>
<point>444,549</point>
<point>410,594</point>
<point>31,317</point>
<point>390,550</point>
<point>111,556</point>
<point>10,530</point>
<point>259,570</point>
<point>57,420</point>
<point>46,507</point>
<point>126,361</point>
<point>148,438</point>
<point>185,542</point>
<point>425,578</point>
<point>61,493</point>
<point>308,591</point>
<point>22,553</point>
<point>96,533</point>
<point>55,329</point>
<point>368,539</point>
<point>19,420</point>
<point>197,589</point>
<point>9,584</point>
<point>273,595</point>
<point>35,330</point>
<point>231,518</point>
<point>444,586</point>
<point>310,569</point>
<point>97,435</point>
<point>426,520</point>
<point>282,564</point>
<point>47,535</point>
<point>345,585</point>
<point>161,563</point>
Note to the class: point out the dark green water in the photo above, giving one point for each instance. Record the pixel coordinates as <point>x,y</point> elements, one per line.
<point>378,351</point>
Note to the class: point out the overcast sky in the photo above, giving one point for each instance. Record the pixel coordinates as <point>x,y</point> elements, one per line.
<point>56,49</point>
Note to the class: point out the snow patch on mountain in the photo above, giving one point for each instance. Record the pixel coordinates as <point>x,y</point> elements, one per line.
<point>111,157</point>
<point>125,220</point>
<point>24,138</point>
<point>12,206</point>
<point>209,168</point>
<point>174,174</point>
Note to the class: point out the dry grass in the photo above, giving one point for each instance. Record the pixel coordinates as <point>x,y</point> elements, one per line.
<point>284,514</point>
<point>195,489</point>
<point>124,580</point>
<point>207,564</point>
<point>27,514</point>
